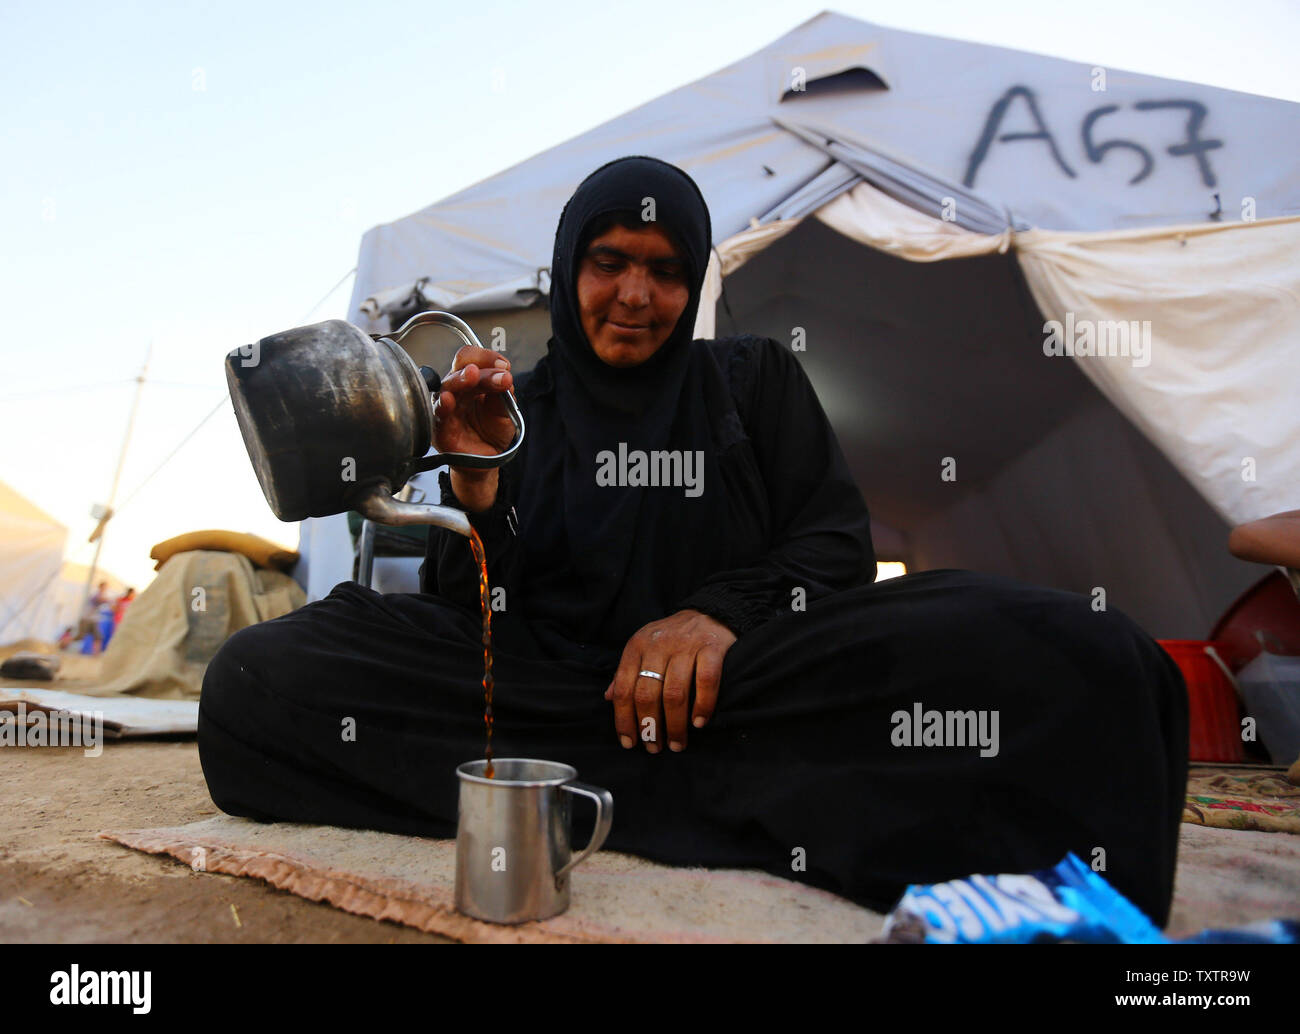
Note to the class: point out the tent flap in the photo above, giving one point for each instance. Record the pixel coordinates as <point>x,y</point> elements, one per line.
<point>1192,334</point>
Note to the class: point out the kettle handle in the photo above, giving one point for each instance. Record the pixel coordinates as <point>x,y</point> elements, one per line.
<point>468,459</point>
<point>462,459</point>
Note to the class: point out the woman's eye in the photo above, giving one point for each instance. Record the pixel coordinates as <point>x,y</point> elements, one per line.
<point>608,267</point>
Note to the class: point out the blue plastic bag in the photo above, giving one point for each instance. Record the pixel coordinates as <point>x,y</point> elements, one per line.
<point>1069,902</point>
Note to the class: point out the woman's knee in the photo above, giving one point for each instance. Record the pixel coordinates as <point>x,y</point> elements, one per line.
<point>228,676</point>
<point>232,720</point>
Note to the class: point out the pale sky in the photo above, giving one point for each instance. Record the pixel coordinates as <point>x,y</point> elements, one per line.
<point>199,175</point>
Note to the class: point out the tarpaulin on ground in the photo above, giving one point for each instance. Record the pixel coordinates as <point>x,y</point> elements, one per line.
<point>172,630</point>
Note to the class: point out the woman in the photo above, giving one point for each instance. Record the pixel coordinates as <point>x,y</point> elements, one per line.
<point>686,560</point>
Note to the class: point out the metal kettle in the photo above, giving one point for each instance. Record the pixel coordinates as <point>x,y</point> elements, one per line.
<point>335,419</point>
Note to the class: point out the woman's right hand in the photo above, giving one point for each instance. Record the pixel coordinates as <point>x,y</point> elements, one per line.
<point>470,417</point>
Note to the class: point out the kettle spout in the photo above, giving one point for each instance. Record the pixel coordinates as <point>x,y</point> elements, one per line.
<point>380,507</point>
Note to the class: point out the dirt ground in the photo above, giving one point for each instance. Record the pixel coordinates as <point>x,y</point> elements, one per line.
<point>60,883</point>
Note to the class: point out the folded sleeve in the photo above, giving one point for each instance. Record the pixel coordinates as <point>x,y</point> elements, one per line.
<point>449,569</point>
<point>821,538</point>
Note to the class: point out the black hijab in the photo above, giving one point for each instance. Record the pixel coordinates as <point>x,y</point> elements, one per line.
<point>623,186</point>
<point>617,557</point>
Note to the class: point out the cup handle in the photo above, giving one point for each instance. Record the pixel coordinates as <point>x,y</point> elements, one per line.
<point>604,819</point>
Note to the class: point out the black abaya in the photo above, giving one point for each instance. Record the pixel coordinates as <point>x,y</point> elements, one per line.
<point>802,772</point>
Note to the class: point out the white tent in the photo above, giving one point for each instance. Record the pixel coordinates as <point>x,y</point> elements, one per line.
<point>1050,308</point>
<point>31,559</point>
<point>41,594</point>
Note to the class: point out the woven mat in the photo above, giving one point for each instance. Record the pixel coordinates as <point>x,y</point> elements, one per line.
<point>1230,877</point>
<point>409,880</point>
<point>1242,799</point>
<point>1226,877</point>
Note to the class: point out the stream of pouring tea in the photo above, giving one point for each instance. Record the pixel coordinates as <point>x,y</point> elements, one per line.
<point>480,556</point>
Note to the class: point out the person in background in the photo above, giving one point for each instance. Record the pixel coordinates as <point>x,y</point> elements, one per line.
<point>104,624</point>
<point>119,608</point>
<point>89,623</point>
<point>1270,540</point>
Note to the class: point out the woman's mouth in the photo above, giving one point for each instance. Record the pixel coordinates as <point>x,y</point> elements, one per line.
<point>628,328</point>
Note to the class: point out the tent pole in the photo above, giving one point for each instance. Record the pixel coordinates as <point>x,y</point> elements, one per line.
<point>98,533</point>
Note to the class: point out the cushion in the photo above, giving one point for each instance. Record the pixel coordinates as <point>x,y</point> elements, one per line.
<point>262,552</point>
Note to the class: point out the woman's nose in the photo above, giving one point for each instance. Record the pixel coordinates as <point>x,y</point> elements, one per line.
<point>634,288</point>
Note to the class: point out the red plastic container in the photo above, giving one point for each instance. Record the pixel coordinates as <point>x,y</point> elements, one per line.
<point>1270,605</point>
<point>1214,727</point>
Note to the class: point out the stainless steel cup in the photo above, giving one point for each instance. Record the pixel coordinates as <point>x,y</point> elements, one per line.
<point>513,851</point>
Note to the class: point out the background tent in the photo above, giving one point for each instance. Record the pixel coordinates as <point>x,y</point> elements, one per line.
<point>31,559</point>
<point>40,592</point>
<point>908,212</point>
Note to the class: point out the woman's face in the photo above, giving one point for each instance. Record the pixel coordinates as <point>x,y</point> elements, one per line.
<point>632,289</point>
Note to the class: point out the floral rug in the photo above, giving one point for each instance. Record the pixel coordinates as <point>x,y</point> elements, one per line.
<point>1242,799</point>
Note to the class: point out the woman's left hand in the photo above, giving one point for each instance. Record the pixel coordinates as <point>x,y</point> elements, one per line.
<point>678,647</point>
